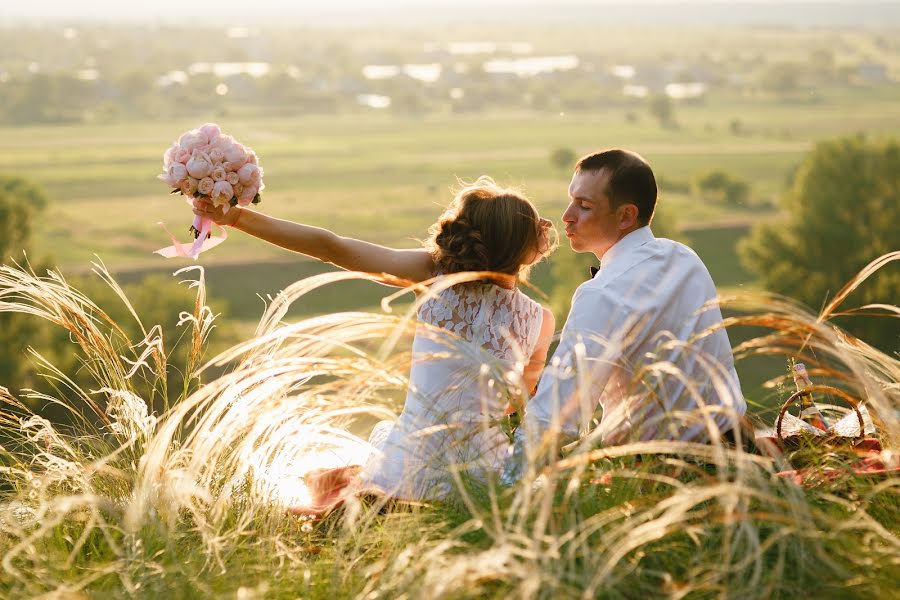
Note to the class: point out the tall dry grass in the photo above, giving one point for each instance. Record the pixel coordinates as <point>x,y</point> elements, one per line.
<point>190,501</point>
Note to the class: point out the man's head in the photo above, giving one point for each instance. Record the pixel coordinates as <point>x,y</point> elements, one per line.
<point>612,193</point>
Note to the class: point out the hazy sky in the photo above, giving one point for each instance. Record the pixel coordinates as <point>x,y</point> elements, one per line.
<point>182,11</point>
<point>172,8</point>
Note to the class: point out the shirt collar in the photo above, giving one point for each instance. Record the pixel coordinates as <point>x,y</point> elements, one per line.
<point>633,240</point>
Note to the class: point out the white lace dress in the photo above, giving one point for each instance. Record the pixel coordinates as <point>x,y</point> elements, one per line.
<point>471,341</point>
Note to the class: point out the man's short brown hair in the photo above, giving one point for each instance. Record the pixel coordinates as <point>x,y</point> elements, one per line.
<point>631,180</point>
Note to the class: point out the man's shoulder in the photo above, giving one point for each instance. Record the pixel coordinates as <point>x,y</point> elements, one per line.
<point>665,265</point>
<point>659,254</point>
<point>676,255</point>
<point>673,246</point>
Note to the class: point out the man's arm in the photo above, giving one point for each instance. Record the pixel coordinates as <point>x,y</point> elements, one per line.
<point>589,348</point>
<point>572,384</point>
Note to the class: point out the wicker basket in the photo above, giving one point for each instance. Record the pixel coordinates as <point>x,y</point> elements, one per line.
<point>830,438</point>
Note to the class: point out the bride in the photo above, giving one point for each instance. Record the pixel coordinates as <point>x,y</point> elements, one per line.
<point>486,325</point>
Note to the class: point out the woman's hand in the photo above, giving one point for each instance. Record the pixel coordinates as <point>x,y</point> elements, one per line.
<point>206,209</point>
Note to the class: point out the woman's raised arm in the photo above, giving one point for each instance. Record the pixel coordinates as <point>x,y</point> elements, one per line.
<point>322,244</point>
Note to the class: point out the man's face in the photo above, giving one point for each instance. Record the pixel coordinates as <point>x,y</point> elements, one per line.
<point>591,224</point>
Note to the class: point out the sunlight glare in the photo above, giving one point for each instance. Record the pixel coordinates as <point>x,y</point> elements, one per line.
<point>279,477</point>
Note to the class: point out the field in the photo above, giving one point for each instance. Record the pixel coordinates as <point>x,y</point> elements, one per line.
<point>386,179</point>
<point>140,473</point>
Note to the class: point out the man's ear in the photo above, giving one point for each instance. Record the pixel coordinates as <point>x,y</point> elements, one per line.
<point>627,216</point>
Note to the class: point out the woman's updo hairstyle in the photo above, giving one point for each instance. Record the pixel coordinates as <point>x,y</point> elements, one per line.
<point>488,228</point>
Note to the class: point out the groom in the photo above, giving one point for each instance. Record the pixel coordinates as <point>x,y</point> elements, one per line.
<point>644,337</point>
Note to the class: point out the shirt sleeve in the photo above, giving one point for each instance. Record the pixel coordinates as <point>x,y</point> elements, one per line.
<point>573,382</point>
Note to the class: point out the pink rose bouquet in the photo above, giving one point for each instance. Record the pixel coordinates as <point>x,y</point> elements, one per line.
<point>206,163</point>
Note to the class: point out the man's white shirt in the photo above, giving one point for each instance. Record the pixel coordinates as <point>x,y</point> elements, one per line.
<point>644,341</point>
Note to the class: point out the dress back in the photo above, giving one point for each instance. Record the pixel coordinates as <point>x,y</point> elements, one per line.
<point>472,342</point>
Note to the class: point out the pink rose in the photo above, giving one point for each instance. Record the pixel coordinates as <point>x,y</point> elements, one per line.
<point>236,155</point>
<point>222,193</point>
<point>238,188</point>
<point>169,156</point>
<point>247,195</point>
<point>216,155</point>
<point>249,174</point>
<point>182,155</point>
<point>198,167</point>
<point>218,173</point>
<point>232,178</point>
<point>251,157</point>
<point>224,142</point>
<point>206,186</point>
<point>189,186</point>
<point>211,131</point>
<point>175,172</point>
<point>193,140</point>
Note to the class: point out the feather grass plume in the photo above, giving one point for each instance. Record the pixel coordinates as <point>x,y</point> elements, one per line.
<point>127,502</point>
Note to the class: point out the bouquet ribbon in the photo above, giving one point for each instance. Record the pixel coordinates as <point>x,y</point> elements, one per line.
<point>201,244</point>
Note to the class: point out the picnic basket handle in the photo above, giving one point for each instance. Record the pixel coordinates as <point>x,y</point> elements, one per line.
<point>807,392</point>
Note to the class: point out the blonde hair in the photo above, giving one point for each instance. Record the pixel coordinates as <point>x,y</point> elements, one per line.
<point>489,228</point>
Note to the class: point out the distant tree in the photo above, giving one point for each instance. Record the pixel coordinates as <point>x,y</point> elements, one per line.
<point>782,78</point>
<point>660,107</point>
<point>670,184</point>
<point>721,186</point>
<point>20,202</point>
<point>408,102</point>
<point>49,98</point>
<point>843,211</point>
<point>563,158</point>
<point>822,64</point>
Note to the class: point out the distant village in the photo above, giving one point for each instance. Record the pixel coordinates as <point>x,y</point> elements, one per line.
<point>113,75</point>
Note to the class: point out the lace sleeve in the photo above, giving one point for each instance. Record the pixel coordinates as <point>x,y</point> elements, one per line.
<point>504,322</point>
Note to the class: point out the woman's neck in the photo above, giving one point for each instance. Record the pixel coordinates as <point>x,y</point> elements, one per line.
<point>508,282</point>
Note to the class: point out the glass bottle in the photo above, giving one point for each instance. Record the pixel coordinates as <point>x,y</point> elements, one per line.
<point>808,410</point>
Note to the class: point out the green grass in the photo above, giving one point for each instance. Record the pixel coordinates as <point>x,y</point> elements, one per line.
<point>124,506</point>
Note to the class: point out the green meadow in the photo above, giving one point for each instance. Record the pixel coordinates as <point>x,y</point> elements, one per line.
<point>386,178</point>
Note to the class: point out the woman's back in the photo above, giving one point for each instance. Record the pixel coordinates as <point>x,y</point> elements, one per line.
<point>472,342</point>
<point>504,322</point>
